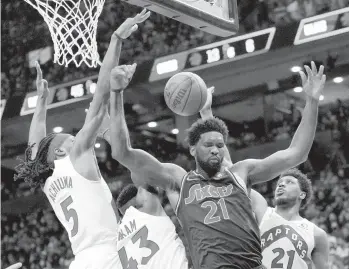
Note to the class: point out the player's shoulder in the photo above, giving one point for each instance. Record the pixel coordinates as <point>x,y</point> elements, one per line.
<point>242,168</point>
<point>319,232</point>
<point>176,174</point>
<point>320,238</point>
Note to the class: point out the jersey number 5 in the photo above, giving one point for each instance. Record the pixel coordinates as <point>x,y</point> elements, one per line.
<point>142,235</point>
<point>280,254</point>
<point>70,213</point>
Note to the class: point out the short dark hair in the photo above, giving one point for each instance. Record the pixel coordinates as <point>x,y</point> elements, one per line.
<point>304,184</point>
<point>204,126</point>
<point>36,171</point>
<point>126,194</point>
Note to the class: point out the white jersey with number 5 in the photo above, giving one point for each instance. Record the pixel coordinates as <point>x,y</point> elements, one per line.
<point>286,244</point>
<point>84,208</point>
<point>147,241</point>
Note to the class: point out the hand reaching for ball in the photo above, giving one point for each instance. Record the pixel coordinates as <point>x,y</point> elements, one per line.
<point>121,76</point>
<point>208,104</point>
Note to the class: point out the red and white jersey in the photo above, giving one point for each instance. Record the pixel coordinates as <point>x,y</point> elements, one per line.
<point>286,244</point>
<point>149,242</point>
<point>83,207</point>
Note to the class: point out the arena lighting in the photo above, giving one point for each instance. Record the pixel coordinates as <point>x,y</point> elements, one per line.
<point>152,124</point>
<point>77,90</point>
<point>298,89</point>
<point>32,100</point>
<point>321,97</point>
<point>167,67</point>
<point>322,26</point>
<point>175,131</point>
<point>97,145</point>
<point>296,69</point>
<point>58,129</point>
<point>338,80</point>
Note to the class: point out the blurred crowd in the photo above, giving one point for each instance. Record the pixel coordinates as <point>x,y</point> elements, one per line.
<point>23,30</point>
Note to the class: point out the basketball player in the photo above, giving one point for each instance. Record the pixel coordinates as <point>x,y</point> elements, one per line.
<point>143,217</point>
<point>212,202</point>
<point>288,240</point>
<point>65,167</point>
<point>147,236</point>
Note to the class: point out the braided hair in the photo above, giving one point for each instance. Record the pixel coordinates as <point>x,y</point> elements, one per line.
<point>36,171</point>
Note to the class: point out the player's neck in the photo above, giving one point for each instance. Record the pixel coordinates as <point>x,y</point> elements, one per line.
<point>205,174</point>
<point>288,213</point>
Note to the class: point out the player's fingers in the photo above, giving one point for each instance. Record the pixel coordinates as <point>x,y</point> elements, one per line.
<point>323,79</point>
<point>144,10</point>
<point>15,266</point>
<point>308,70</point>
<point>303,77</point>
<point>141,17</point>
<point>144,17</point>
<point>129,71</point>
<point>313,68</point>
<point>211,89</point>
<point>121,67</point>
<point>119,73</point>
<point>45,84</point>
<point>133,68</point>
<point>134,28</point>
<point>321,71</point>
<point>38,71</point>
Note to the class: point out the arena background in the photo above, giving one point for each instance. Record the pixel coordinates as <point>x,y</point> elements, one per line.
<point>256,95</point>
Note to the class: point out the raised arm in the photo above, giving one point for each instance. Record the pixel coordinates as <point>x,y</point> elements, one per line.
<point>111,59</point>
<point>142,165</point>
<point>320,254</point>
<point>206,113</point>
<point>37,129</point>
<point>255,171</point>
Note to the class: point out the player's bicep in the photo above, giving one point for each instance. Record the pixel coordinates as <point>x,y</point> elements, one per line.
<point>261,170</point>
<point>150,169</point>
<point>259,205</point>
<point>86,137</point>
<point>320,255</point>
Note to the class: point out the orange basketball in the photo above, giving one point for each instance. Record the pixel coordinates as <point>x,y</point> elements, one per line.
<point>185,93</point>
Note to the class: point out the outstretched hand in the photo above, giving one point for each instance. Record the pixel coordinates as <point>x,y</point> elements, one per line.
<point>130,25</point>
<point>208,103</point>
<point>121,76</point>
<point>313,85</point>
<point>41,84</point>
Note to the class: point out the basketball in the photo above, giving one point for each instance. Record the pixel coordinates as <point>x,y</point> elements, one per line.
<point>185,93</point>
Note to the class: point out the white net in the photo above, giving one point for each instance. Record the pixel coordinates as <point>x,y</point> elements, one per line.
<point>73,27</point>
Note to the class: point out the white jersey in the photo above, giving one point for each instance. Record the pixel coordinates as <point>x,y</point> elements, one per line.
<point>84,208</point>
<point>286,244</point>
<point>151,242</point>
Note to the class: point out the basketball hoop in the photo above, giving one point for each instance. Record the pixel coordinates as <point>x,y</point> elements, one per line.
<point>73,28</point>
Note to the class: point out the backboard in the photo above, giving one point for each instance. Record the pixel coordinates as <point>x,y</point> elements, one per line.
<point>217,17</point>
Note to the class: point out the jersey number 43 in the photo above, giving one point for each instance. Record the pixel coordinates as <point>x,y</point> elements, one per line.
<point>141,235</point>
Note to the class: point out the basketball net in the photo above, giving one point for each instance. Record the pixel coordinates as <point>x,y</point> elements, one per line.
<point>73,28</point>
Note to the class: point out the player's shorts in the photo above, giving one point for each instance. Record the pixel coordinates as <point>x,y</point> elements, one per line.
<point>97,257</point>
